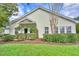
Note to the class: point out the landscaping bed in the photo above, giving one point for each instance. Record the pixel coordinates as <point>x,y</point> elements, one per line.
<point>53,39</point>
<point>37,41</point>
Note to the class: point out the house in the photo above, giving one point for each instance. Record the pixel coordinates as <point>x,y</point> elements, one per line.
<point>44,21</point>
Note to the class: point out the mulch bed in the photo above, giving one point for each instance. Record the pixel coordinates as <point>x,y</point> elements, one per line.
<point>37,41</point>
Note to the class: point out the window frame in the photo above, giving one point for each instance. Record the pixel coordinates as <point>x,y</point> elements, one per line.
<point>46,30</point>
<point>68,30</point>
<point>62,29</point>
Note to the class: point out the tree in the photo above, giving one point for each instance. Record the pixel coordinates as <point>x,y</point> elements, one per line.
<point>77,18</point>
<point>54,7</point>
<point>57,7</point>
<point>6,10</point>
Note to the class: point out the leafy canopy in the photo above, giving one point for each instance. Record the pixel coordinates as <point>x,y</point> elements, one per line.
<point>6,10</point>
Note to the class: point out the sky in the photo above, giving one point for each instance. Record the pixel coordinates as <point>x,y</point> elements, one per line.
<point>24,8</point>
<point>71,10</point>
<point>68,9</point>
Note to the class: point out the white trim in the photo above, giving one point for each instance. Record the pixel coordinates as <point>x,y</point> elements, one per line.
<point>65,29</point>
<point>58,29</point>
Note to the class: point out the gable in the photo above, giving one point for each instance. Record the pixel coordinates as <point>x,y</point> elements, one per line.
<point>42,16</point>
<point>39,15</point>
<point>26,21</point>
<point>47,11</point>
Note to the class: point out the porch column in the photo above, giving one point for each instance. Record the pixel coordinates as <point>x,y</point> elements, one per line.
<point>28,31</point>
<point>58,29</point>
<point>22,30</point>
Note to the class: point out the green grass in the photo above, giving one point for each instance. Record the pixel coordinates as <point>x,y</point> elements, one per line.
<point>38,50</point>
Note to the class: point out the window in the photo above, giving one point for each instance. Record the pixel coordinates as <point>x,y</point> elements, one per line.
<point>6,30</point>
<point>62,29</point>
<point>56,29</point>
<point>46,30</point>
<point>68,28</point>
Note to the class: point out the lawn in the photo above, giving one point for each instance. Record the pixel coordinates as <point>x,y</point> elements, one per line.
<point>38,50</point>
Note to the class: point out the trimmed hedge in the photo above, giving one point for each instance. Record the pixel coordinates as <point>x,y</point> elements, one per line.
<point>77,27</point>
<point>61,37</point>
<point>8,37</point>
<point>31,36</point>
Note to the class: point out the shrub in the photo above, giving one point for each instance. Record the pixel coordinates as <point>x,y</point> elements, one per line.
<point>77,27</point>
<point>61,37</point>
<point>71,38</point>
<point>31,36</point>
<point>77,37</point>
<point>8,37</point>
<point>21,36</point>
<point>53,38</point>
<point>1,36</point>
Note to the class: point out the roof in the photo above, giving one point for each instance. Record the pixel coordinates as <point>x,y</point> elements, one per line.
<point>47,10</point>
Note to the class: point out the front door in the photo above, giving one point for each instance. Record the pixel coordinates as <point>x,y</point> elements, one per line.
<point>25,30</point>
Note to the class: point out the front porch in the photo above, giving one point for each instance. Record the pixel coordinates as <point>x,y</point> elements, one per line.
<point>28,29</point>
